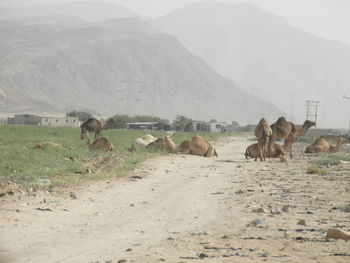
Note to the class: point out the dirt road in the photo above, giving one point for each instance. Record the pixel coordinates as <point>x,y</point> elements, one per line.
<point>181,208</point>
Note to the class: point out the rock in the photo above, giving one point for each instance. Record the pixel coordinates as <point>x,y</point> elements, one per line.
<point>72,195</point>
<point>256,223</point>
<point>258,210</point>
<point>285,208</point>
<point>337,234</point>
<point>301,222</point>
<point>202,255</point>
<point>275,211</point>
<point>128,250</point>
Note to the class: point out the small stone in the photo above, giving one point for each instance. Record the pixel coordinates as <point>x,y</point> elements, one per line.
<point>128,250</point>
<point>202,255</point>
<point>301,222</point>
<point>258,210</point>
<point>285,208</point>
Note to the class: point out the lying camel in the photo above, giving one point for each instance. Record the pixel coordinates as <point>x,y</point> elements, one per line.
<point>197,145</point>
<point>142,143</point>
<point>44,145</point>
<point>263,132</point>
<point>252,151</point>
<point>323,146</point>
<point>99,144</point>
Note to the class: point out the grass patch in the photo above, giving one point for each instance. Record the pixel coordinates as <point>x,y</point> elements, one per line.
<point>28,167</point>
<point>345,208</point>
<point>316,170</point>
<point>332,159</point>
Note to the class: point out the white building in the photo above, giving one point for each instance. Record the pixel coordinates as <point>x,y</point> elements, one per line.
<point>60,121</point>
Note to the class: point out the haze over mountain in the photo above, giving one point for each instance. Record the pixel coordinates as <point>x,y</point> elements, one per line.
<point>115,66</point>
<point>267,56</point>
<point>89,11</point>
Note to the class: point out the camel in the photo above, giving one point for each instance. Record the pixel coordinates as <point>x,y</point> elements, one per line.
<point>160,143</point>
<point>92,125</point>
<point>142,143</point>
<point>99,144</point>
<point>252,151</point>
<point>197,145</point>
<point>306,126</point>
<point>283,129</point>
<point>323,146</point>
<point>263,132</point>
<point>44,145</point>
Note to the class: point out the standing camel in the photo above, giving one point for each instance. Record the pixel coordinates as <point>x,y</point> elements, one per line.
<point>306,126</point>
<point>263,132</point>
<point>92,125</point>
<point>282,129</point>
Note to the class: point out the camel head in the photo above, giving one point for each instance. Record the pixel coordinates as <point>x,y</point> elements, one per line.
<point>309,124</point>
<point>342,141</point>
<point>84,136</point>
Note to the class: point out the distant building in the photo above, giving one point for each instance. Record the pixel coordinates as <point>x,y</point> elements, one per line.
<point>140,125</point>
<point>25,119</point>
<point>211,126</point>
<point>30,119</point>
<point>3,120</point>
<point>60,121</point>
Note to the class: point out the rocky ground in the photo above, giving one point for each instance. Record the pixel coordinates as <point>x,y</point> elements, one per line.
<point>179,208</point>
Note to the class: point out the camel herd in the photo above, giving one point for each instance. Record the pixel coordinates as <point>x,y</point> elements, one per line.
<point>267,135</point>
<point>265,147</point>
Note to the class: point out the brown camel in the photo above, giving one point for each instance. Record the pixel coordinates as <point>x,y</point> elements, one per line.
<point>99,144</point>
<point>197,145</point>
<point>283,129</point>
<point>263,132</point>
<point>306,126</point>
<point>252,151</point>
<point>323,146</point>
<point>44,145</point>
<point>92,125</point>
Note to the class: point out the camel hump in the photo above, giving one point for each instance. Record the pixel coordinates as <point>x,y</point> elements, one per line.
<point>281,119</point>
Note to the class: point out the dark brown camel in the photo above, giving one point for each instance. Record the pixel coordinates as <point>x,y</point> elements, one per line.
<point>92,125</point>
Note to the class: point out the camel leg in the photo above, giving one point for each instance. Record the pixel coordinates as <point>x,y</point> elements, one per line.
<point>260,150</point>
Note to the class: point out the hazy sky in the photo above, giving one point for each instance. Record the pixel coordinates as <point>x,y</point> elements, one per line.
<point>327,18</point>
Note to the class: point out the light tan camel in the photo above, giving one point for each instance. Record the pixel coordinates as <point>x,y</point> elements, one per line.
<point>323,146</point>
<point>197,145</point>
<point>44,145</point>
<point>252,151</point>
<point>263,132</point>
<point>99,144</point>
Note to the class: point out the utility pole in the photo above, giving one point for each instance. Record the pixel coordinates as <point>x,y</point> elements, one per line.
<point>348,99</point>
<point>311,109</point>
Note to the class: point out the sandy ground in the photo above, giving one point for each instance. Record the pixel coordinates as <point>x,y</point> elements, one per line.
<point>180,208</point>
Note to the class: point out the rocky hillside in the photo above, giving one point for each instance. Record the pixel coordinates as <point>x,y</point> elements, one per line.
<point>115,66</point>
<point>267,57</point>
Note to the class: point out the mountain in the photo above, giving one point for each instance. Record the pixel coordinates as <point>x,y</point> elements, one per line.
<point>116,66</point>
<point>266,56</point>
<point>88,11</point>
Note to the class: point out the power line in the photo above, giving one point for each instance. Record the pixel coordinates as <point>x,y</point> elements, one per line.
<point>311,109</point>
